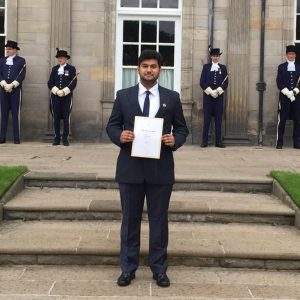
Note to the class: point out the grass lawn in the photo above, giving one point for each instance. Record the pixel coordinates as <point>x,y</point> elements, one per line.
<point>8,175</point>
<point>290,183</point>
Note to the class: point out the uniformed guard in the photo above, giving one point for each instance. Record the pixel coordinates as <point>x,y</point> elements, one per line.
<point>62,82</point>
<point>288,78</point>
<point>12,73</point>
<point>213,81</point>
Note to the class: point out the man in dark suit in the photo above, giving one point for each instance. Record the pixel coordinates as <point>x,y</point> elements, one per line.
<point>140,177</point>
<point>12,73</point>
<point>62,82</point>
<point>288,77</point>
<point>213,81</point>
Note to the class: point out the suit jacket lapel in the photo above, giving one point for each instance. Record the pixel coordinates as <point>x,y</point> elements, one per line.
<point>163,98</point>
<point>134,100</point>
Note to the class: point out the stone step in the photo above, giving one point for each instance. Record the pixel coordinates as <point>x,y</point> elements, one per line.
<point>191,244</point>
<point>198,206</point>
<point>185,183</point>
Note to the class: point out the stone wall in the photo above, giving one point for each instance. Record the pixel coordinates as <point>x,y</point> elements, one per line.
<point>91,43</point>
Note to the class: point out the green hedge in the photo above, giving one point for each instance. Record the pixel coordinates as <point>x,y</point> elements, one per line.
<point>8,175</point>
<point>290,182</point>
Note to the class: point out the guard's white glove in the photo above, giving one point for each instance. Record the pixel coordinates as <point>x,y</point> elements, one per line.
<point>15,83</point>
<point>220,90</point>
<point>215,94</point>
<point>66,91</point>
<point>285,91</point>
<point>8,87</point>
<point>208,91</point>
<point>296,91</point>
<point>54,90</point>
<point>3,83</point>
<point>60,93</point>
<point>290,94</point>
<point>292,98</point>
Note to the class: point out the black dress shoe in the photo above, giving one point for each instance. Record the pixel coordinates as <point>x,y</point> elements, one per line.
<point>278,146</point>
<point>55,143</point>
<point>17,142</point>
<point>125,278</point>
<point>162,280</point>
<point>220,145</point>
<point>2,141</point>
<point>66,143</point>
<point>203,145</point>
<point>297,146</point>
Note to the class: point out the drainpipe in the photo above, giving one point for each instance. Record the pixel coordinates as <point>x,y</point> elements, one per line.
<point>261,85</point>
<point>211,5</point>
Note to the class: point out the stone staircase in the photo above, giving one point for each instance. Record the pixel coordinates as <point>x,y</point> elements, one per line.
<point>75,219</point>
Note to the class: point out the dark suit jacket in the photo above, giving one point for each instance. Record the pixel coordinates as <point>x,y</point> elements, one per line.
<point>286,79</point>
<point>62,81</point>
<point>137,170</point>
<point>11,73</point>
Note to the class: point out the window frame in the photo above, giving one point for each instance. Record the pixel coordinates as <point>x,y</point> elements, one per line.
<point>148,14</point>
<point>295,22</point>
<point>5,24</point>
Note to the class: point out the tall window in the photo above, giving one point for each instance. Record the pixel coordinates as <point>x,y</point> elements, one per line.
<point>2,26</point>
<point>148,24</point>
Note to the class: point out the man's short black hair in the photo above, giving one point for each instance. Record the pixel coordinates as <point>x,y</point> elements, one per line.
<point>150,54</point>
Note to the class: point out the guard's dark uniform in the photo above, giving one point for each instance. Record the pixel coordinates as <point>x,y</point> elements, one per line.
<point>288,107</point>
<point>213,106</point>
<point>11,101</point>
<point>61,106</point>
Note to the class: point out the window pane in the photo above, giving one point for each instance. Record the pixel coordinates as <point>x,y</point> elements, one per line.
<point>130,55</point>
<point>166,78</point>
<point>169,4</point>
<point>149,3</point>
<point>148,47</point>
<point>167,53</point>
<point>166,32</point>
<point>2,49</point>
<point>2,20</point>
<point>298,56</point>
<point>130,78</point>
<point>298,28</point>
<point>131,31</point>
<point>149,31</point>
<point>129,3</point>
<point>2,3</point>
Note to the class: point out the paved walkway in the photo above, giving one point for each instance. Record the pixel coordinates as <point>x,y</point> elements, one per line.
<point>98,283</point>
<point>191,161</point>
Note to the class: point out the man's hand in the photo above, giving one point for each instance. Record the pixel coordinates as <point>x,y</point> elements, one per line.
<point>8,87</point>
<point>215,94</point>
<point>126,136</point>
<point>60,93</point>
<point>168,140</point>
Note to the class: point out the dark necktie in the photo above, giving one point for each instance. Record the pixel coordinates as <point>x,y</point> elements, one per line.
<point>146,104</point>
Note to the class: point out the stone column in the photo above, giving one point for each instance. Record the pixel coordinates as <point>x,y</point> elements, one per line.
<point>236,122</point>
<point>60,36</point>
<point>109,63</point>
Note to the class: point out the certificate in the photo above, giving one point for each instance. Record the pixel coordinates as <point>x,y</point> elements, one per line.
<point>147,137</point>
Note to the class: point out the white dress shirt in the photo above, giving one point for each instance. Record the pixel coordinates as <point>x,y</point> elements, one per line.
<point>61,69</point>
<point>154,99</point>
<point>214,67</point>
<point>291,66</point>
<point>9,60</point>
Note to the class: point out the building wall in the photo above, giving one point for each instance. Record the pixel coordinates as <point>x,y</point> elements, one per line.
<point>92,47</point>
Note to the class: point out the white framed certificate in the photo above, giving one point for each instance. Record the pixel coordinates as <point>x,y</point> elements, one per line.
<point>147,137</point>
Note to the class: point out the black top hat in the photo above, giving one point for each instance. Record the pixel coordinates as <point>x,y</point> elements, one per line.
<point>12,44</point>
<point>62,53</point>
<point>291,48</point>
<point>215,51</point>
